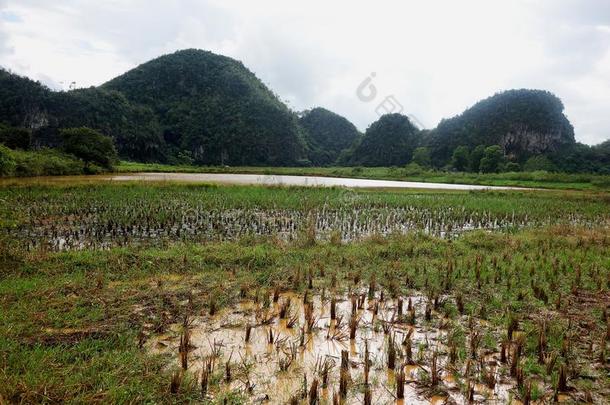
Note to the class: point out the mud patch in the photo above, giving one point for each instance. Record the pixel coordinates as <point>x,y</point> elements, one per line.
<point>275,352</point>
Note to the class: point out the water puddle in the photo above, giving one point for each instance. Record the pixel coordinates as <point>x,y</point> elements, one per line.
<point>294,341</point>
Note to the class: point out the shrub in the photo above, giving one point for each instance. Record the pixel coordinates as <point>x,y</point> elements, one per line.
<point>46,162</point>
<point>90,146</point>
<point>421,156</point>
<point>539,162</point>
<point>413,169</point>
<point>7,162</point>
<point>16,138</point>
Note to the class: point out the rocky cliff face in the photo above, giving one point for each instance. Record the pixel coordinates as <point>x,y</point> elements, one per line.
<point>521,140</point>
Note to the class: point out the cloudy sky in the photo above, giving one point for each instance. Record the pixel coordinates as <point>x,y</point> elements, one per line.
<point>435,58</point>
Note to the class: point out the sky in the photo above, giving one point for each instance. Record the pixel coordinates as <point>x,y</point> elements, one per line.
<point>427,59</point>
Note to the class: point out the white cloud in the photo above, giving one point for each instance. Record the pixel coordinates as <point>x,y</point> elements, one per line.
<point>436,57</point>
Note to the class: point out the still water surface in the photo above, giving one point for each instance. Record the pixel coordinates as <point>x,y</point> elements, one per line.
<point>307,181</point>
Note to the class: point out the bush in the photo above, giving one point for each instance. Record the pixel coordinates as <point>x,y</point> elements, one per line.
<point>7,162</point>
<point>421,156</point>
<point>90,146</point>
<point>303,163</point>
<point>413,169</point>
<point>46,162</point>
<point>512,167</point>
<point>539,162</point>
<point>16,138</point>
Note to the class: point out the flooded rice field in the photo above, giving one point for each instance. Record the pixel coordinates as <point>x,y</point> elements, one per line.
<point>516,314</point>
<point>359,347</point>
<point>102,215</point>
<point>98,229</point>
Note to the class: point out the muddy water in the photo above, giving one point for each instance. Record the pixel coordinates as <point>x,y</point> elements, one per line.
<point>306,181</point>
<point>255,365</point>
<point>254,179</point>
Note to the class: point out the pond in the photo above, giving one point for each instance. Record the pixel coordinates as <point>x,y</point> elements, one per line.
<point>304,181</point>
<point>251,179</point>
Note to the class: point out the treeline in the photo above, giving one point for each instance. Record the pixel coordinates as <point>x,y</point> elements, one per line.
<point>193,107</point>
<point>491,159</point>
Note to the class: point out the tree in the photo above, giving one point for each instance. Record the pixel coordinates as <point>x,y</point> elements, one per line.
<point>492,159</point>
<point>421,156</point>
<point>89,145</point>
<point>601,154</point>
<point>475,158</point>
<point>460,160</point>
<point>7,163</point>
<point>16,138</point>
<point>539,162</point>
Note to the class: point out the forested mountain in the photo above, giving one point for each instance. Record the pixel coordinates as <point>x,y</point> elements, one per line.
<point>327,135</point>
<point>197,107</point>
<point>190,106</point>
<point>523,122</point>
<point>390,141</point>
<point>214,109</point>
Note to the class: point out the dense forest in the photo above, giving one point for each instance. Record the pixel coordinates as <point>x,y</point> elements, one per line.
<point>327,134</point>
<point>390,141</point>
<point>188,107</point>
<point>196,107</point>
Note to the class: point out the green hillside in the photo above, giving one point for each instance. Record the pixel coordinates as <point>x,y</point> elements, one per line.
<point>327,134</point>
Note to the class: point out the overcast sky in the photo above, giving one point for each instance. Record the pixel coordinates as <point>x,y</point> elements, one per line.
<point>435,57</point>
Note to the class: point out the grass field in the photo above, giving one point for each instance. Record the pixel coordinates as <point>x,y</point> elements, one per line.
<point>514,179</point>
<point>144,293</point>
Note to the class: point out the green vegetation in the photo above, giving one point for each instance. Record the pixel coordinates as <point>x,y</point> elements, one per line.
<point>130,204</point>
<point>44,162</point>
<point>83,151</point>
<point>492,159</point>
<point>81,325</point>
<point>15,138</point>
<point>197,108</point>
<point>522,122</point>
<point>539,162</point>
<point>213,110</point>
<point>328,135</point>
<point>134,128</point>
<point>390,141</point>
<point>460,159</point>
<point>188,107</point>
<point>90,146</point>
<point>421,157</point>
